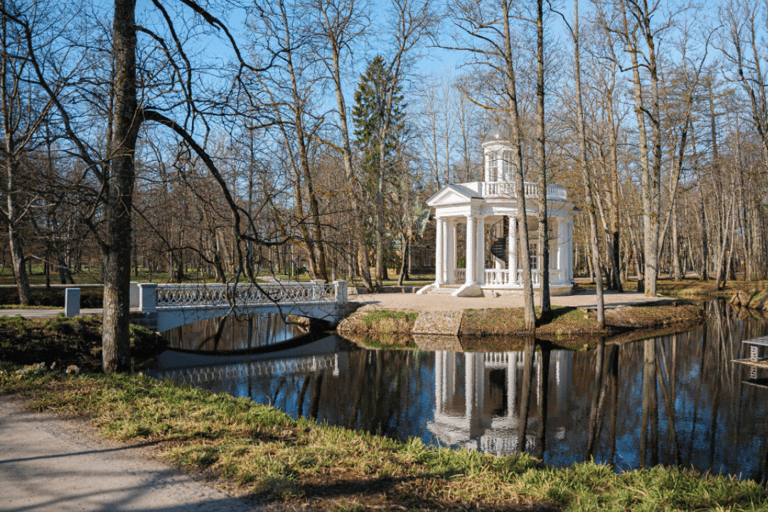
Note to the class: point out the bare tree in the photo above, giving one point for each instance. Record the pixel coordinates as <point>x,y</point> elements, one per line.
<point>340,24</point>
<point>484,29</point>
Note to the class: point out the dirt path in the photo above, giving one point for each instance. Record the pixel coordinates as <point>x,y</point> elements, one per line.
<point>53,464</point>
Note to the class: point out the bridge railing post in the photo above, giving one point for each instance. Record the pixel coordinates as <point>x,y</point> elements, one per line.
<point>134,294</point>
<point>341,292</point>
<point>148,297</point>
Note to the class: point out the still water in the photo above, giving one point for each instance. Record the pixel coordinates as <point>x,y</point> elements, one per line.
<point>669,400</point>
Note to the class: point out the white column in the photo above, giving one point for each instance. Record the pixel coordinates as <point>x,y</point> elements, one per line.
<point>450,251</point>
<point>499,232</point>
<point>480,242</point>
<point>471,267</point>
<point>563,249</point>
<point>512,257</point>
<point>439,251</point>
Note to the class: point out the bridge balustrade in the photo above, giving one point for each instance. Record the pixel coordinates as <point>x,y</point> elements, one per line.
<point>198,301</point>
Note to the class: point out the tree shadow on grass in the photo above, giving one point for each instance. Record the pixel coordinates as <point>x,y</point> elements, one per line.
<point>395,494</point>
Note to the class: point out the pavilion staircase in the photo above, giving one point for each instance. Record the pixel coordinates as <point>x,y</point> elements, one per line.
<point>446,289</point>
<point>499,247</point>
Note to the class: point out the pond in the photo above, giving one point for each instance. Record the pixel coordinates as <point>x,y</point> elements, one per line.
<point>670,400</point>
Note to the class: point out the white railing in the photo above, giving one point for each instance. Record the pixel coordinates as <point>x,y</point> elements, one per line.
<point>497,359</point>
<point>507,189</point>
<point>187,295</point>
<point>502,277</point>
<point>497,277</point>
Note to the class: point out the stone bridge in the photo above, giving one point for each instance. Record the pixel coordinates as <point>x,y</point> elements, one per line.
<point>162,307</point>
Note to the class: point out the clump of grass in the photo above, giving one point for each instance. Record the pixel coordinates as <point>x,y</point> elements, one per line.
<point>378,315</point>
<point>279,458</point>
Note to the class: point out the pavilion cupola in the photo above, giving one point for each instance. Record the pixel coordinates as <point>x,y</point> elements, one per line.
<point>497,155</point>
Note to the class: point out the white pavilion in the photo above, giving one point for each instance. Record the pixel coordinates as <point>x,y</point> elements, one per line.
<point>478,217</point>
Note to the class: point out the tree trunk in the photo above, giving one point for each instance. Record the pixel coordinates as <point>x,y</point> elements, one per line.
<point>529,321</point>
<point>18,262</point>
<point>404,263</point>
<point>541,156</point>
<point>116,248</point>
<point>586,174</point>
<point>357,228</point>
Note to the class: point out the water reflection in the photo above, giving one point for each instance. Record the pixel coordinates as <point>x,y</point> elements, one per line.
<point>669,400</point>
<point>232,333</point>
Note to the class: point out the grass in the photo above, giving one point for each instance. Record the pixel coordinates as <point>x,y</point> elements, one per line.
<point>378,315</point>
<point>279,459</point>
<point>66,341</point>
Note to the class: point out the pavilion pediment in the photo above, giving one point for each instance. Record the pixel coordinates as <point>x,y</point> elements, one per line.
<point>452,194</point>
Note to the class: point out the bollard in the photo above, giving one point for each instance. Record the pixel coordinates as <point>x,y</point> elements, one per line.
<point>134,294</point>
<point>71,302</point>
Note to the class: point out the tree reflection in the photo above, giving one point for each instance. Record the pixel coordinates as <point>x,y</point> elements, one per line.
<point>528,354</point>
<point>650,414</point>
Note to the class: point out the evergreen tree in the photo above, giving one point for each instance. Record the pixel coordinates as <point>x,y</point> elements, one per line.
<point>379,119</point>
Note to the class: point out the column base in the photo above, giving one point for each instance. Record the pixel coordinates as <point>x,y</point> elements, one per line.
<point>469,290</point>
<point>425,289</point>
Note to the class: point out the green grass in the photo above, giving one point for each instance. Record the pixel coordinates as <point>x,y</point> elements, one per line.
<point>377,315</point>
<point>279,458</point>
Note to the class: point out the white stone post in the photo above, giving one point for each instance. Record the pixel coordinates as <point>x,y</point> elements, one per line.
<point>512,257</point>
<point>480,275</point>
<point>71,302</point>
<point>148,297</point>
<point>439,251</point>
<point>134,296</point>
<point>341,292</point>
<point>471,267</point>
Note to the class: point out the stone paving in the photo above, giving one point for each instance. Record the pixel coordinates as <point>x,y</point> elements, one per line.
<point>413,302</point>
<point>51,464</point>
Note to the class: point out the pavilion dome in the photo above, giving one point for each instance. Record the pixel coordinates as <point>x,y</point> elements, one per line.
<point>498,134</point>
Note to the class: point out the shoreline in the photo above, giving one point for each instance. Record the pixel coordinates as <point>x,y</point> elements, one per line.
<point>572,318</point>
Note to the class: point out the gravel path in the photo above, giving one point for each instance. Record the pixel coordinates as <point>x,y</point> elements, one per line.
<point>53,464</point>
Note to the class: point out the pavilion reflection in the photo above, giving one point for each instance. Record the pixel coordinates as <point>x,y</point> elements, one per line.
<point>480,399</point>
